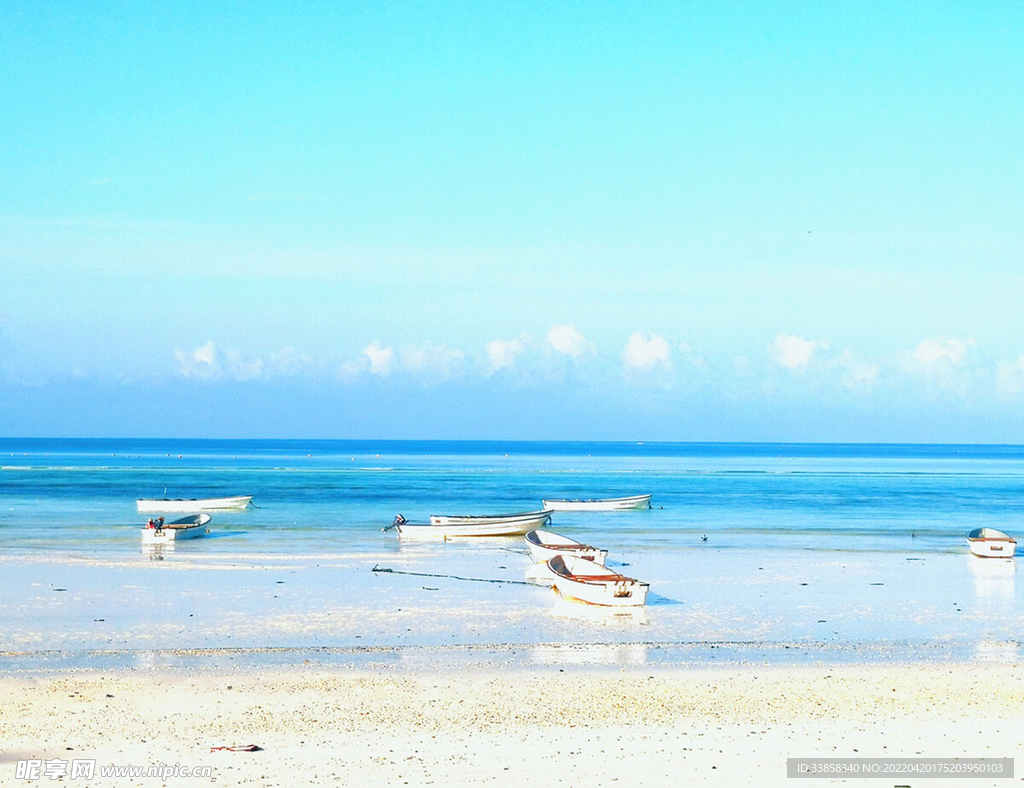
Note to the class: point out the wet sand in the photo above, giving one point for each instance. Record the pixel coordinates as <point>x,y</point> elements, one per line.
<point>906,606</point>
<point>540,726</point>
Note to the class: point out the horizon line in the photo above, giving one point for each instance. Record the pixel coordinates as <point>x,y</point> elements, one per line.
<point>617,441</point>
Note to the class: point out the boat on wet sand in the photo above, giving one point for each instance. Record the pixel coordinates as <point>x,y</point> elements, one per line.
<point>990,543</point>
<point>586,581</point>
<point>507,526</point>
<point>547,544</point>
<point>159,532</point>
<point>597,504</point>
<point>192,504</point>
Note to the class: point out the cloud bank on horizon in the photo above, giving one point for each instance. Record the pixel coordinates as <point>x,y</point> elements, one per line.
<point>939,362</point>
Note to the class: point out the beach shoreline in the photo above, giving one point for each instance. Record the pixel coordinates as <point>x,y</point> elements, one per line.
<point>800,606</point>
<point>596,656</point>
<point>737,606</point>
<point>648,725</point>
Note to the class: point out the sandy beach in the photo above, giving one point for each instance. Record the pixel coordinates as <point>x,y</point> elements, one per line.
<point>550,726</point>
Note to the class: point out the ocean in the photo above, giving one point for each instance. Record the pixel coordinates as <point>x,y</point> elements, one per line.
<point>754,552</point>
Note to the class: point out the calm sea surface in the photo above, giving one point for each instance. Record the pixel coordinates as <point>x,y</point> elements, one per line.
<point>818,545</point>
<point>79,495</point>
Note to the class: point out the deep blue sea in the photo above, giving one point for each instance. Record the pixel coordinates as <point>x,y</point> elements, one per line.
<point>764,545</point>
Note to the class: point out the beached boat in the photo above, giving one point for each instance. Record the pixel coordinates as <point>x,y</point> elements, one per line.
<point>467,519</point>
<point>547,544</point>
<point>597,504</point>
<point>185,528</point>
<point>990,543</point>
<point>192,504</point>
<point>586,581</point>
<point>509,526</point>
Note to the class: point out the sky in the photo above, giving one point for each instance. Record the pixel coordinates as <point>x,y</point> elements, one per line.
<point>688,221</point>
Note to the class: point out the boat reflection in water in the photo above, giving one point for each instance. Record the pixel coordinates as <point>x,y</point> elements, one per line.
<point>996,651</point>
<point>993,579</point>
<point>590,654</point>
<point>621,617</point>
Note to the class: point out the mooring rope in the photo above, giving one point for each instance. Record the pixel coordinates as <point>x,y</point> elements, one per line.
<point>452,577</point>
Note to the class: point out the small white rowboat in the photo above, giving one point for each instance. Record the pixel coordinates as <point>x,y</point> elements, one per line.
<point>547,544</point>
<point>506,527</point>
<point>468,519</point>
<point>990,543</point>
<point>598,504</point>
<point>176,530</point>
<point>585,581</point>
<point>192,504</point>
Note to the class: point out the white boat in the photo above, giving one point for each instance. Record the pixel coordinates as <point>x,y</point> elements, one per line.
<point>597,504</point>
<point>586,581</point>
<point>509,526</point>
<point>185,528</point>
<point>990,543</point>
<point>547,544</point>
<point>466,519</point>
<point>192,504</point>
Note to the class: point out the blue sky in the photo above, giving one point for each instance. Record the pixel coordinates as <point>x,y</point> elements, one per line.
<point>652,221</point>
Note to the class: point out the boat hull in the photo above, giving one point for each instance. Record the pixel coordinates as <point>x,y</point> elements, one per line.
<point>598,504</point>
<point>177,530</point>
<point>584,581</point>
<point>170,505</point>
<point>992,548</point>
<point>990,543</point>
<point>545,545</point>
<point>508,527</point>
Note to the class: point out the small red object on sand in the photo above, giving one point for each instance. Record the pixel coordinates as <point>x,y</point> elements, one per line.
<point>240,748</point>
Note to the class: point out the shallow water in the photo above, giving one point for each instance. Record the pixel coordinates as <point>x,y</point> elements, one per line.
<point>811,552</point>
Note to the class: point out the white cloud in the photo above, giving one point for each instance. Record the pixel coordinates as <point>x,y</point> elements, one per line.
<point>944,366</point>
<point>643,352</point>
<point>199,363</point>
<point>206,362</point>
<point>793,352</point>
<point>1010,377</point>
<point>932,352</point>
<point>382,359</point>
<point>238,368</point>
<point>430,358</point>
<point>353,368</point>
<point>424,361</point>
<point>502,353</point>
<point>691,355</point>
<point>287,361</point>
<point>857,374</point>
<point>567,340</point>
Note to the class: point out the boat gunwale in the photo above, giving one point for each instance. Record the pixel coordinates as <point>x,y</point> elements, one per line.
<point>570,544</point>
<point>196,521</point>
<point>482,519</point>
<point>612,577</point>
<point>993,535</point>
<point>641,497</point>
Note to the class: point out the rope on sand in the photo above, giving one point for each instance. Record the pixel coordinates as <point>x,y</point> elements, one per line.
<point>382,569</point>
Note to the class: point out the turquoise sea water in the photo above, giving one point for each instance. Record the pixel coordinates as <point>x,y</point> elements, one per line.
<point>812,551</point>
